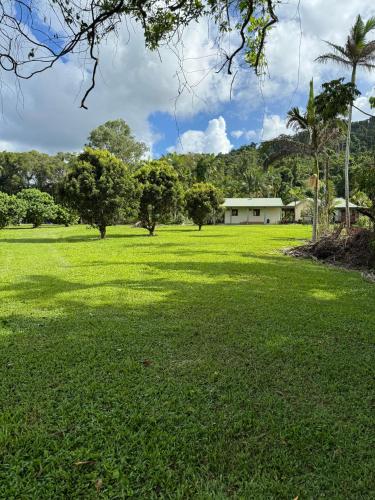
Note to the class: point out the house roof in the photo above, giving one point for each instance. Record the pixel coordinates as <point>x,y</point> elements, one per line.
<point>253,202</point>
<point>298,202</point>
<point>340,203</point>
<point>337,203</point>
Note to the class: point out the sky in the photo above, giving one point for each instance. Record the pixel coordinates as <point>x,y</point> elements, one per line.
<point>178,102</point>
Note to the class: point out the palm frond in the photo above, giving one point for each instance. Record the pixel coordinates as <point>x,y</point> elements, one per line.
<point>295,120</point>
<point>368,50</point>
<point>369,66</point>
<point>339,49</point>
<point>330,56</point>
<point>370,25</point>
<point>357,33</point>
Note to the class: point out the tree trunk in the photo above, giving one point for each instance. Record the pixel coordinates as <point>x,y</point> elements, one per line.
<point>316,201</point>
<point>199,227</point>
<point>151,230</point>
<point>326,195</point>
<point>103,231</point>
<point>347,158</point>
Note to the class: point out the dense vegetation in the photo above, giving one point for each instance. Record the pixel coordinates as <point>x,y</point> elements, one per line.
<point>242,172</point>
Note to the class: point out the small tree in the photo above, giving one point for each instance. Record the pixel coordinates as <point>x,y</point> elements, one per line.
<point>100,188</point>
<point>40,207</point>
<point>161,193</point>
<point>202,201</point>
<point>12,210</point>
<point>65,216</point>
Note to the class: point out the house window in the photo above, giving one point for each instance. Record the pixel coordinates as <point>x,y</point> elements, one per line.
<point>234,212</point>
<point>256,212</point>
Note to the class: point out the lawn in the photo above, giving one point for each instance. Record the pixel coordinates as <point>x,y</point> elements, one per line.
<point>188,365</point>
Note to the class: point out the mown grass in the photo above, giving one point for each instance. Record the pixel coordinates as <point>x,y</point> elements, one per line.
<point>188,365</point>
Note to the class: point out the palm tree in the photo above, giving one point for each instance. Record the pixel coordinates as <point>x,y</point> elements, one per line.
<point>356,53</point>
<point>321,133</point>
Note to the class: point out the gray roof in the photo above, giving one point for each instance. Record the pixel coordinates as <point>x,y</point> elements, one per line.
<point>337,203</point>
<point>340,203</point>
<point>253,202</point>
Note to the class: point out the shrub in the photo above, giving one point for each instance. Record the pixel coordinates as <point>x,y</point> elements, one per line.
<point>40,207</point>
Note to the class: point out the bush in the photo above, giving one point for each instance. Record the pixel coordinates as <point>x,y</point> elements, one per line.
<point>65,216</point>
<point>40,207</point>
<point>12,210</point>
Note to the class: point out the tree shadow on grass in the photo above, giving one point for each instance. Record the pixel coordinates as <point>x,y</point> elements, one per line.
<point>70,239</point>
<point>207,377</point>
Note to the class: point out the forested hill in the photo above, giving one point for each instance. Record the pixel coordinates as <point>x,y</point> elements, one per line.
<point>363,136</point>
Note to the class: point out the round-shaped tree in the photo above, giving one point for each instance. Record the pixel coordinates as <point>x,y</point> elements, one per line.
<point>40,206</point>
<point>12,210</point>
<point>161,193</point>
<point>100,188</point>
<point>202,202</point>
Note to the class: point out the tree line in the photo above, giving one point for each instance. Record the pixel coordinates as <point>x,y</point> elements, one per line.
<point>115,157</point>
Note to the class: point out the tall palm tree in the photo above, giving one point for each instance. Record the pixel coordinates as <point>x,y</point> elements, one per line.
<point>356,53</point>
<point>321,133</point>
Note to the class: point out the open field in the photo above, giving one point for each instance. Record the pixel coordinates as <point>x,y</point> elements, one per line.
<point>188,365</point>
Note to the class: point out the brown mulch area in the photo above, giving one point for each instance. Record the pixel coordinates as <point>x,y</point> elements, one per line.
<point>353,251</point>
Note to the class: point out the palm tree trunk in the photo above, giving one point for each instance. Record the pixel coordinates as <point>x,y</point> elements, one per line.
<point>316,200</point>
<point>347,158</point>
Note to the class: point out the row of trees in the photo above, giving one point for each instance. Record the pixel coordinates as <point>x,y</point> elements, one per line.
<point>103,191</point>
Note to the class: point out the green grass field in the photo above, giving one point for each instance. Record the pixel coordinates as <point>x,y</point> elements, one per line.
<point>188,365</point>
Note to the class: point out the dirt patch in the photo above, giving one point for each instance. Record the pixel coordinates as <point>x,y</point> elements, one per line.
<point>353,251</point>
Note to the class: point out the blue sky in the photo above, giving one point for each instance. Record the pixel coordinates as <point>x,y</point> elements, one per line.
<point>134,85</point>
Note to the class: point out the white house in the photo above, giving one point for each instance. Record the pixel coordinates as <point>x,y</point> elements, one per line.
<point>253,210</point>
<point>302,210</point>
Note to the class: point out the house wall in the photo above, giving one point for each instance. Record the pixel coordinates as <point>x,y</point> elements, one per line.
<point>245,216</point>
<point>301,207</point>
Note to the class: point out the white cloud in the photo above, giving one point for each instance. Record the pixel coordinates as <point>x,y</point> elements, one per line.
<point>363,103</point>
<point>132,84</point>
<point>212,140</point>
<point>249,135</point>
<point>273,126</point>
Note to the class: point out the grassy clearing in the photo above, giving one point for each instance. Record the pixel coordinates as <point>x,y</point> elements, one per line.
<point>188,365</point>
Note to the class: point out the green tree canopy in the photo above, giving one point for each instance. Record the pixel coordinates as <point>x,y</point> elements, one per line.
<point>100,188</point>
<point>115,136</point>
<point>40,207</point>
<point>12,209</point>
<point>203,201</point>
<point>161,193</point>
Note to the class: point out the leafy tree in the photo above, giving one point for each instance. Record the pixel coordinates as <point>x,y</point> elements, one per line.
<point>356,53</point>
<point>161,193</point>
<point>366,183</point>
<point>40,207</point>
<point>202,201</point>
<point>31,169</point>
<point>65,216</point>
<point>12,210</point>
<point>203,167</point>
<point>115,136</point>
<point>335,98</point>
<point>100,188</point>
